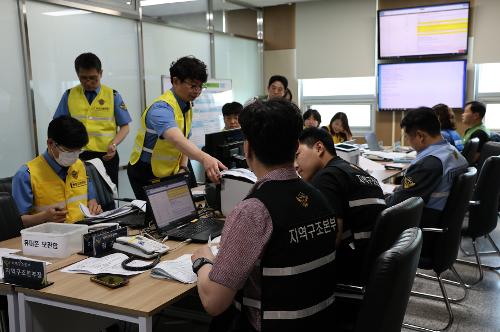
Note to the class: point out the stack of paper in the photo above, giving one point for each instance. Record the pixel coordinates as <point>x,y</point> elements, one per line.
<point>179,269</point>
<point>111,264</point>
<point>122,210</point>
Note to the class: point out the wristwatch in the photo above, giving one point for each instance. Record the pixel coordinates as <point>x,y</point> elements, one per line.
<point>199,262</point>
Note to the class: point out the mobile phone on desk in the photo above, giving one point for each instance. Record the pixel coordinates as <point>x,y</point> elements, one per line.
<point>110,280</point>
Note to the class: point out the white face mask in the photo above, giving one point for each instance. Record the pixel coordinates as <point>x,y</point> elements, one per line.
<point>67,158</point>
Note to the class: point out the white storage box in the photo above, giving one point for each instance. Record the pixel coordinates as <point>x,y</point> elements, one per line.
<point>53,239</point>
<point>348,152</point>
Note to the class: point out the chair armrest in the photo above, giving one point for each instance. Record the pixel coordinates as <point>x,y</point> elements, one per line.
<point>350,289</point>
<point>435,230</point>
<point>474,203</point>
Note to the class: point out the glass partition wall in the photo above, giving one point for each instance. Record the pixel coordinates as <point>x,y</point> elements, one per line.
<point>136,44</point>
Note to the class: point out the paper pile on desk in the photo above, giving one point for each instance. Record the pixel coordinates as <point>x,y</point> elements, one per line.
<point>122,210</point>
<point>179,269</point>
<point>111,264</point>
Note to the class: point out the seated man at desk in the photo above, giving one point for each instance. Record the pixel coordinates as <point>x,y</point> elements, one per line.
<point>355,196</point>
<point>432,172</point>
<point>52,186</point>
<point>283,225</point>
<point>231,112</point>
<point>472,117</point>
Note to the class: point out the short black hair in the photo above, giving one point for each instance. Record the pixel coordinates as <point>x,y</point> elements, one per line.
<point>314,113</point>
<point>422,118</point>
<point>232,108</point>
<point>189,67</point>
<point>443,114</point>
<point>311,136</point>
<point>278,78</point>
<point>272,129</point>
<point>68,131</point>
<point>477,107</point>
<point>87,61</point>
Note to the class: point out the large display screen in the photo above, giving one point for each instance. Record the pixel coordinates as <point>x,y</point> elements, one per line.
<point>403,86</point>
<point>423,31</point>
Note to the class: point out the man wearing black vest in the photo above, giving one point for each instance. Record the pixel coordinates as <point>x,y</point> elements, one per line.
<point>277,252</point>
<point>355,196</point>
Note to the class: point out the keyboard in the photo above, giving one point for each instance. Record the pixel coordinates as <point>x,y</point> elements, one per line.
<point>190,229</point>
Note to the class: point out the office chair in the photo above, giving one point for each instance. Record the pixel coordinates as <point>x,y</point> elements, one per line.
<point>389,226</point>
<point>103,191</point>
<point>6,185</point>
<point>446,242</point>
<point>483,212</point>
<point>489,149</point>
<point>10,220</point>
<point>388,288</point>
<point>470,150</point>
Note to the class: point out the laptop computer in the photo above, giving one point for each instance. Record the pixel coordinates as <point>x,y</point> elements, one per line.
<point>372,141</point>
<point>175,214</point>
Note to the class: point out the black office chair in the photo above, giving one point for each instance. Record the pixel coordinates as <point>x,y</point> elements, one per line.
<point>445,244</point>
<point>103,191</point>
<point>489,149</point>
<point>10,220</point>
<point>389,226</point>
<point>6,185</point>
<point>390,283</point>
<point>483,211</point>
<point>470,150</point>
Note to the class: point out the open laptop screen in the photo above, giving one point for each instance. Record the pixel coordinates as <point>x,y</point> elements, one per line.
<point>171,202</point>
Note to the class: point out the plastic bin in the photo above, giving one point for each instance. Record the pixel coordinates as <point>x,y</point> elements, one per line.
<point>53,239</point>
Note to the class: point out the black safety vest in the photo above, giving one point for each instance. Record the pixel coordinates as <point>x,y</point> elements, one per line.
<point>363,203</point>
<point>297,267</point>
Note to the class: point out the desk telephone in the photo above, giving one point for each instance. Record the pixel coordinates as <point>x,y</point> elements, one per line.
<point>140,246</point>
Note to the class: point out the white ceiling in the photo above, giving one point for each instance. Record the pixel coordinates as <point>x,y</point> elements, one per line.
<point>200,6</point>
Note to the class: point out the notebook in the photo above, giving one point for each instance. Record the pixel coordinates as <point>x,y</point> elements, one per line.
<point>372,141</point>
<point>175,214</point>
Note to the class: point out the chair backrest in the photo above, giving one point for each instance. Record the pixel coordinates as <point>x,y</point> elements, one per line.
<point>10,220</point>
<point>6,185</point>
<point>470,150</point>
<point>483,218</point>
<point>103,191</point>
<point>389,226</point>
<point>446,244</point>
<point>390,283</point>
<point>489,149</point>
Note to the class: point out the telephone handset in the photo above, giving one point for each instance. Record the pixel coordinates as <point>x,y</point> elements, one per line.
<point>140,246</point>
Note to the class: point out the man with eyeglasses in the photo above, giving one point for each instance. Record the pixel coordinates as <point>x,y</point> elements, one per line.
<point>162,145</point>
<point>52,186</point>
<point>101,109</point>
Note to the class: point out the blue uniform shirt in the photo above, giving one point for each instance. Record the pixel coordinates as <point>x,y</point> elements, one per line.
<point>122,117</point>
<point>160,117</point>
<point>22,192</point>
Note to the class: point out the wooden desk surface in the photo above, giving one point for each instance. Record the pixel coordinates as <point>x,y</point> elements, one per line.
<point>143,296</point>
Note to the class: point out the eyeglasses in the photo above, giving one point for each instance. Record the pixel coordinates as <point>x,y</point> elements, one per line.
<point>195,87</point>
<point>93,78</point>
<point>59,147</point>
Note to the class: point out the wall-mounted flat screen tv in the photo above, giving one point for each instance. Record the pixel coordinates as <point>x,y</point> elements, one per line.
<point>403,86</point>
<point>423,31</point>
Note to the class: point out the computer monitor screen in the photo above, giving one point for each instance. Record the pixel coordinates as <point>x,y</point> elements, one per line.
<point>423,31</point>
<point>403,86</point>
<point>227,146</point>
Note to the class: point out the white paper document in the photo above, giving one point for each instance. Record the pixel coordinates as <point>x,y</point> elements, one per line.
<point>179,269</point>
<point>369,165</point>
<point>122,210</point>
<point>111,264</point>
<point>240,173</point>
<point>383,155</point>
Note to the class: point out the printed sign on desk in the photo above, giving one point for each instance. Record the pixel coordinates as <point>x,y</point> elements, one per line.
<point>25,272</point>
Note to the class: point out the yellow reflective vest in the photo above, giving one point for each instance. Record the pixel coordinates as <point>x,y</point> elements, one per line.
<point>98,117</point>
<point>165,158</point>
<point>49,190</point>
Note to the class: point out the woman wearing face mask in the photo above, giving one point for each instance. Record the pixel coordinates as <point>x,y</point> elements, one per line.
<point>52,186</point>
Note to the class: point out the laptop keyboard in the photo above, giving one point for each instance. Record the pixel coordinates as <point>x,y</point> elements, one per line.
<point>194,228</point>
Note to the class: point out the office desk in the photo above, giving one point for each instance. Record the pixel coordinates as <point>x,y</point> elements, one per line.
<point>136,302</point>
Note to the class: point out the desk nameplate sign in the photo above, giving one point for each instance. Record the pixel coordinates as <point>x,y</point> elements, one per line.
<point>25,273</point>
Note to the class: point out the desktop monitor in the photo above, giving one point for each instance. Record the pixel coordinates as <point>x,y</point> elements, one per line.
<point>227,146</point>
<point>434,30</point>
<point>404,86</point>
